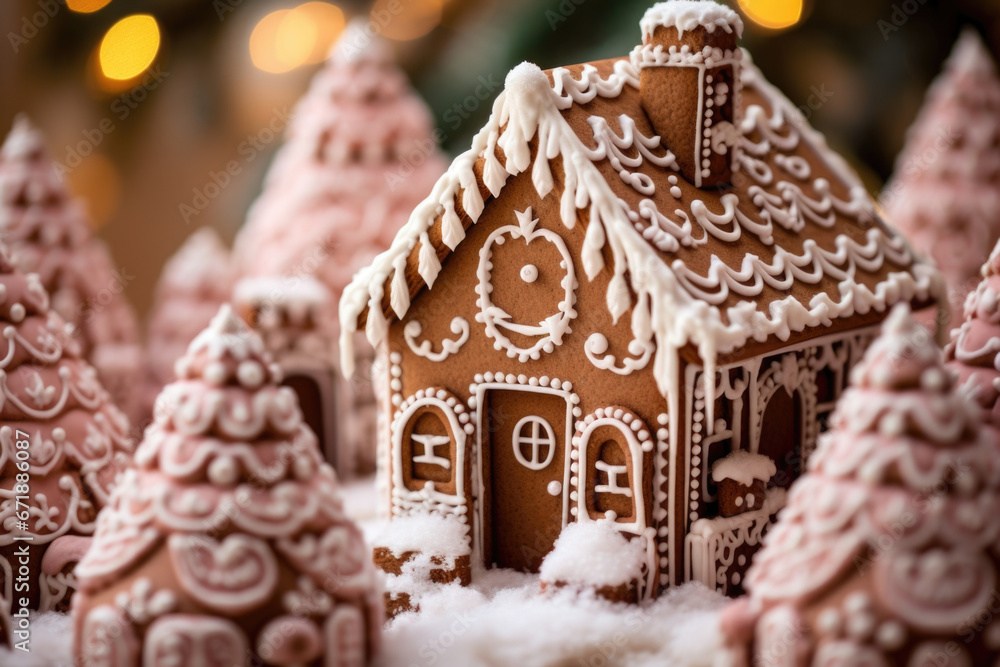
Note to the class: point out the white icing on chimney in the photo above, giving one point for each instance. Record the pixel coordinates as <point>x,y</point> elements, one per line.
<point>686,15</point>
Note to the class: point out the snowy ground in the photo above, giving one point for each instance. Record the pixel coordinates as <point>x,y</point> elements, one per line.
<point>501,620</point>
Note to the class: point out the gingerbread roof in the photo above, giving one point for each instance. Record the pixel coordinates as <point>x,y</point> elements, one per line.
<point>945,191</point>
<point>359,154</point>
<point>794,242</point>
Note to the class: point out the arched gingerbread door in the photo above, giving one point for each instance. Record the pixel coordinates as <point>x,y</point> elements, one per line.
<point>524,459</point>
<point>781,435</point>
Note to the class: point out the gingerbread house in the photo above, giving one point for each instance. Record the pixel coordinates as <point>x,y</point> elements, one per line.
<point>360,154</point>
<point>643,266</point>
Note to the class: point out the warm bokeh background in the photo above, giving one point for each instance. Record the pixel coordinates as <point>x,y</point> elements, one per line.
<point>209,75</point>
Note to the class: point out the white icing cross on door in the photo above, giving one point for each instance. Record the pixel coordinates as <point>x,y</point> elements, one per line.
<point>430,442</point>
<point>612,485</point>
<point>536,440</point>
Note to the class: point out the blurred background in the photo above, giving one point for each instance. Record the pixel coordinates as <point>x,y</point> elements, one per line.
<point>144,100</point>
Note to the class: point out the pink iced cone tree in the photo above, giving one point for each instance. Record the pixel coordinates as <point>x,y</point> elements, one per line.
<point>194,283</point>
<point>887,552</point>
<point>226,543</point>
<point>62,446</point>
<point>945,193</point>
<point>361,152</point>
<point>974,350</point>
<point>49,234</point>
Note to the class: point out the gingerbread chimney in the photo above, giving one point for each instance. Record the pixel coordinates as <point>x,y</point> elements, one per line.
<point>688,71</point>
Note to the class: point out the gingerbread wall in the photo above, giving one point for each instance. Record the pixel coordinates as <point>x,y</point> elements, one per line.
<point>474,368</point>
<point>487,397</point>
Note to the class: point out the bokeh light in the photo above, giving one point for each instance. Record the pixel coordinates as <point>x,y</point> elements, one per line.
<point>129,47</point>
<point>329,22</point>
<point>86,6</point>
<point>406,20</point>
<point>774,14</point>
<point>289,38</point>
<point>97,181</point>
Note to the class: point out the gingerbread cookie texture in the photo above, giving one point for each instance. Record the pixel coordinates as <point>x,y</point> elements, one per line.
<point>360,153</point>
<point>226,542</point>
<point>945,193</point>
<point>63,445</point>
<point>974,350</point>
<point>886,551</point>
<point>579,321</point>
<point>419,552</point>
<point>195,281</point>
<point>49,234</point>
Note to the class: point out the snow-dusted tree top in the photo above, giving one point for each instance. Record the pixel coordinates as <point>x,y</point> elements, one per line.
<point>687,15</point>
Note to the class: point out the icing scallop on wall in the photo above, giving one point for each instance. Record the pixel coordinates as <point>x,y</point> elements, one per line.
<point>642,266</point>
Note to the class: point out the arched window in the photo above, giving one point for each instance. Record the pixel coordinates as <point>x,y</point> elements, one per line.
<point>428,442</point>
<point>616,451</point>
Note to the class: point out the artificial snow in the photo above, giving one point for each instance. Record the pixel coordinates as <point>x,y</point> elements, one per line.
<point>428,534</point>
<point>502,619</point>
<point>743,467</point>
<point>593,553</point>
<point>505,621</point>
<point>51,643</point>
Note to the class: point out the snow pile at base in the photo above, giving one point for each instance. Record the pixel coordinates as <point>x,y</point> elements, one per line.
<point>593,553</point>
<point>428,534</point>
<point>503,620</point>
<point>743,467</point>
<point>51,643</point>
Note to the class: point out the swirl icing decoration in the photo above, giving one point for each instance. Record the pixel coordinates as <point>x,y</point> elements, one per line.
<point>63,444</point>
<point>232,511</point>
<point>890,540</point>
<point>974,350</point>
<point>49,235</point>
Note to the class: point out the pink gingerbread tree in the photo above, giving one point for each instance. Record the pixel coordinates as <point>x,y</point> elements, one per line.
<point>62,445</point>
<point>886,553</point>
<point>360,154</point>
<point>49,234</point>
<point>974,350</point>
<point>194,283</point>
<point>227,542</point>
<point>945,193</point>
